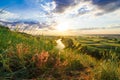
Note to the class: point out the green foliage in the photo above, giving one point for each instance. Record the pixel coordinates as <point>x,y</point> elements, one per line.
<point>68,42</point>
<point>107,70</point>
<point>24,56</point>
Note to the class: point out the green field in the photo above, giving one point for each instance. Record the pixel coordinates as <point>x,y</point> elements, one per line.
<point>88,57</point>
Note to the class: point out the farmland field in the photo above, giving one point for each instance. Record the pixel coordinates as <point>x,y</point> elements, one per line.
<point>86,57</point>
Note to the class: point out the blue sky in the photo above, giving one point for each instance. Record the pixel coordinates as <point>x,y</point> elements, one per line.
<point>79,14</point>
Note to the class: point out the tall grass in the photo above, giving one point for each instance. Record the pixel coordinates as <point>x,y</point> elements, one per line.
<point>23,56</point>
<point>107,70</point>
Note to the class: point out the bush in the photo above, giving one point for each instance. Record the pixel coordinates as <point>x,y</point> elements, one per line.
<point>75,65</point>
<point>68,43</point>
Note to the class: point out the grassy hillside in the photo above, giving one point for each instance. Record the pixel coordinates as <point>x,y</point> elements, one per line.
<point>23,56</point>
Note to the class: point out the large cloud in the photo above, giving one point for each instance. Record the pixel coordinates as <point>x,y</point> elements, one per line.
<point>106,5</point>
<point>103,6</point>
<point>62,5</point>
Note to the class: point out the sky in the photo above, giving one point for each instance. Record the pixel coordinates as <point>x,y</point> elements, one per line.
<point>66,16</point>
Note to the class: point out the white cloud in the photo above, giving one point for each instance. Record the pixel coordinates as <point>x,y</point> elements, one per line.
<point>7,16</point>
<point>49,6</point>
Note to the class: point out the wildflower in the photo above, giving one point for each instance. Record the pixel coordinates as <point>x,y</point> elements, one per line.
<point>40,59</point>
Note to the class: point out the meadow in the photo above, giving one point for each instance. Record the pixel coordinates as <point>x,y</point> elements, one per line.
<point>87,57</point>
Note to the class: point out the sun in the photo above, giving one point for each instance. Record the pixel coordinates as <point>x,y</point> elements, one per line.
<point>62,26</point>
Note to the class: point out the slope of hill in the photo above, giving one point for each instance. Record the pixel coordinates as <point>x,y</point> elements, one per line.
<point>23,56</point>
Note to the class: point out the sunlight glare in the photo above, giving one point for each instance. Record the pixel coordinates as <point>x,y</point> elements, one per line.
<point>62,26</point>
